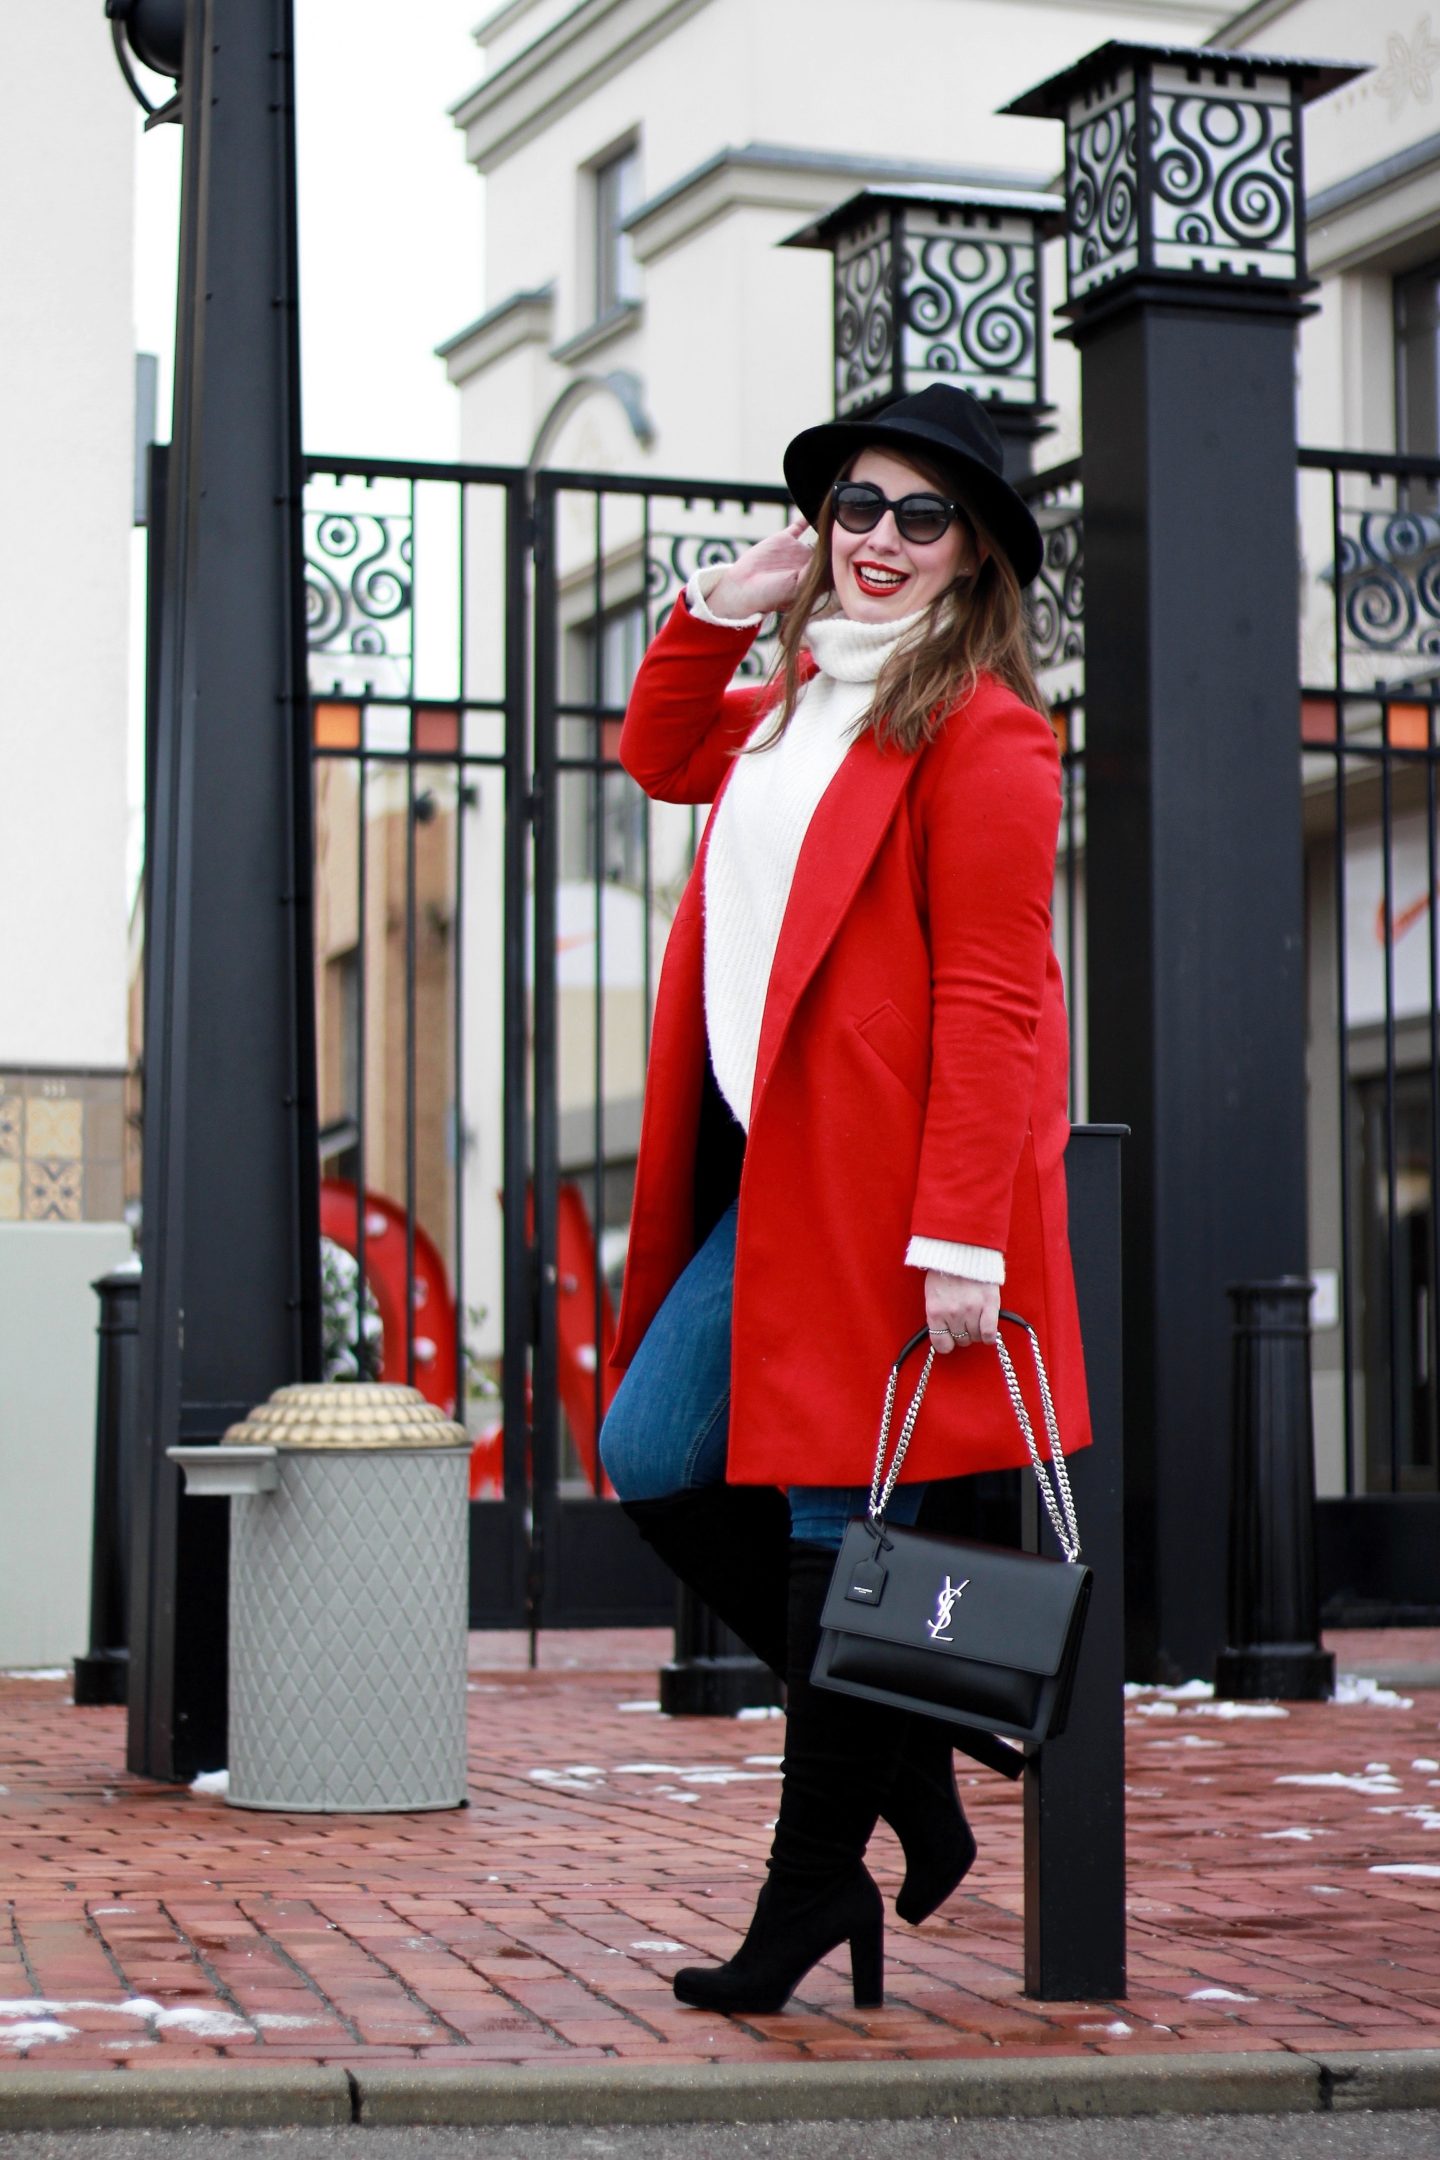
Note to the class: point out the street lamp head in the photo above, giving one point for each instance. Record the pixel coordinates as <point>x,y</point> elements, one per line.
<point>1182,167</point>
<point>936,284</point>
<point>154,32</point>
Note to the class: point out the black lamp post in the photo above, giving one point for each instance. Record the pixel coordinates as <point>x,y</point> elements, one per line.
<point>1185,259</point>
<point>152,32</point>
<point>940,285</point>
<point>229,1301</point>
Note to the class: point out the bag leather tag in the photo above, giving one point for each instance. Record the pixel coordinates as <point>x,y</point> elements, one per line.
<point>867,1583</point>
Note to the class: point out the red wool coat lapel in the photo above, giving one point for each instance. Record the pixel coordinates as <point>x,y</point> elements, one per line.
<point>848,826</point>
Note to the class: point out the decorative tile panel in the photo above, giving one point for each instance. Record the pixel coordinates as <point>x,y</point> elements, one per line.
<point>53,1191</point>
<point>55,1128</point>
<point>62,1145</point>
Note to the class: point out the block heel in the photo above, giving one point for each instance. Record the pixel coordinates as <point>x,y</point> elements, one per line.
<point>867,1967</point>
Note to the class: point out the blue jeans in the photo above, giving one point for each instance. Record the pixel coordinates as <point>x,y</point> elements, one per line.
<point>667,1429</point>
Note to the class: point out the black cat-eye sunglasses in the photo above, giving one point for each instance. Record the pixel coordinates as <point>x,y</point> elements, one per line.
<point>919,519</point>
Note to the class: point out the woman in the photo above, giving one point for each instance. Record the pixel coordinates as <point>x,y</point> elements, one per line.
<point>855,1108</point>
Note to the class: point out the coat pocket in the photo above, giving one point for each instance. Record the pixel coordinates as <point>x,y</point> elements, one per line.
<point>898,1046</point>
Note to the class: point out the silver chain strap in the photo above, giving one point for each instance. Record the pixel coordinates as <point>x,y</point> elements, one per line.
<point>880,1499</point>
<point>1059,1499</point>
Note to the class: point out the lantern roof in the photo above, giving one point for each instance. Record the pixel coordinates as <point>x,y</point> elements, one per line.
<point>1051,99</point>
<point>821,231</point>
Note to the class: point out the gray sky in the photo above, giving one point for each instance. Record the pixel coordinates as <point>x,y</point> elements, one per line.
<point>390,223</point>
<point>390,248</point>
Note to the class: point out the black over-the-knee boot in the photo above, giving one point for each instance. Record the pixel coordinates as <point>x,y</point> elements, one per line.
<point>731,1545</point>
<point>839,1763</point>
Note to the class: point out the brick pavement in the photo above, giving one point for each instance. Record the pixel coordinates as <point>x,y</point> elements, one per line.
<point>1284,1891</point>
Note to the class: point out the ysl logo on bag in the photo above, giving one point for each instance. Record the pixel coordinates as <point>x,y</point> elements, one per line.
<point>946,1598</point>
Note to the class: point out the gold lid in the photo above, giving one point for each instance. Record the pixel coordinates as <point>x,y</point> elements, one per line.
<point>346,1415</point>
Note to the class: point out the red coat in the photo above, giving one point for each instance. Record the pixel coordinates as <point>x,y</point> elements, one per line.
<point>911,1079</point>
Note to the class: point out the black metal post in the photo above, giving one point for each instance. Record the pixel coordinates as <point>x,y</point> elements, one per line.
<point>1075,1786</point>
<point>101,1674</point>
<point>712,1674</point>
<point>1194,891</point>
<point>1185,320</point>
<point>1274,1644</point>
<point>230,1299</point>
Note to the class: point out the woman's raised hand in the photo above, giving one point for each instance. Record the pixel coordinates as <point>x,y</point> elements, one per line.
<point>764,577</point>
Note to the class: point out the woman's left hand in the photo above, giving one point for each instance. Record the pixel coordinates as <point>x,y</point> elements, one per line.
<point>959,1312</point>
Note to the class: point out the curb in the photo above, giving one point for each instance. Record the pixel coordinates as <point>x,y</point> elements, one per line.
<point>231,2096</point>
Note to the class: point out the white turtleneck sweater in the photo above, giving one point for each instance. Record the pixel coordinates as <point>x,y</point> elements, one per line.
<point>755,844</point>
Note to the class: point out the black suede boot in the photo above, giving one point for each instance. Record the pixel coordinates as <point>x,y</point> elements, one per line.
<point>840,1756</point>
<point>731,1545</point>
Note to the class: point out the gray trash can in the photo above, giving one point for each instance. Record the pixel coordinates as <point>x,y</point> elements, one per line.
<point>348,1599</point>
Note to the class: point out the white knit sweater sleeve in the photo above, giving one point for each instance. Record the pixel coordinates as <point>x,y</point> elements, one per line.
<point>977,1263</point>
<point>705,581</point>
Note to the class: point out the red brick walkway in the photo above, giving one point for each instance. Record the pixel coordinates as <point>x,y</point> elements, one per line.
<point>1284,1892</point>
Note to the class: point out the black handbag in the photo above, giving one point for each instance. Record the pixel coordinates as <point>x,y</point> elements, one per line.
<point>982,1637</point>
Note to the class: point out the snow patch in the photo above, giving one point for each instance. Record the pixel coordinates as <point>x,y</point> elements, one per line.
<point>1351,1688</point>
<point>1187,1691</point>
<point>631,1707</point>
<point>698,1774</point>
<point>280,2021</point>
<point>761,1710</point>
<point>661,1948</point>
<point>1407,1867</point>
<point>1227,1709</point>
<point>217,1781</point>
<point>37,1672</point>
<point>23,2006</point>
<point>1339,1780</point>
<point>205,2024</point>
<point>29,2030</point>
<point>1117,2028</point>
<point>1304,1835</point>
<point>1218,1995</point>
<point>1425,1762</point>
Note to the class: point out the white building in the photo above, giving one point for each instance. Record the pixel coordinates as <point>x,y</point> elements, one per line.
<point>67,373</point>
<point>643,163</point>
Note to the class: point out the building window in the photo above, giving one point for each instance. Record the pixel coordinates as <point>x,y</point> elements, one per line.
<point>1417,362</point>
<point>616,194</point>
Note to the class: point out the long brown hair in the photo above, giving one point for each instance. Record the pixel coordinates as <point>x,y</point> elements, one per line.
<point>978,626</point>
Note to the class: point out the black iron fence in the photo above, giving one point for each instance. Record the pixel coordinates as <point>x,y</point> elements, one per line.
<point>1370,666</point>
<point>494,893</point>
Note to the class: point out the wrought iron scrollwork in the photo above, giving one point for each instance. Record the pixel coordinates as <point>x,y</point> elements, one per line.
<point>1223,167</point>
<point>1102,191</point>
<point>970,310</point>
<point>673,559</point>
<point>1057,598</point>
<point>358,602</point>
<point>864,318</point>
<point>1389,583</point>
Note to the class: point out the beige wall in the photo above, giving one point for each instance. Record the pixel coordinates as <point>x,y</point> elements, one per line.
<point>48,1357</point>
<point>66,393</point>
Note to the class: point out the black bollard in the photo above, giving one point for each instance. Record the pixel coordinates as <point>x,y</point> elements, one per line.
<point>712,1674</point>
<point>1274,1618</point>
<point>102,1674</point>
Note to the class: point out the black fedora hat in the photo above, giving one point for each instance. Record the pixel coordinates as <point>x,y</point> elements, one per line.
<point>941,424</point>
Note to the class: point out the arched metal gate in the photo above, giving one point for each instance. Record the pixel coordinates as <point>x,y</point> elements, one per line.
<point>492,900</point>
